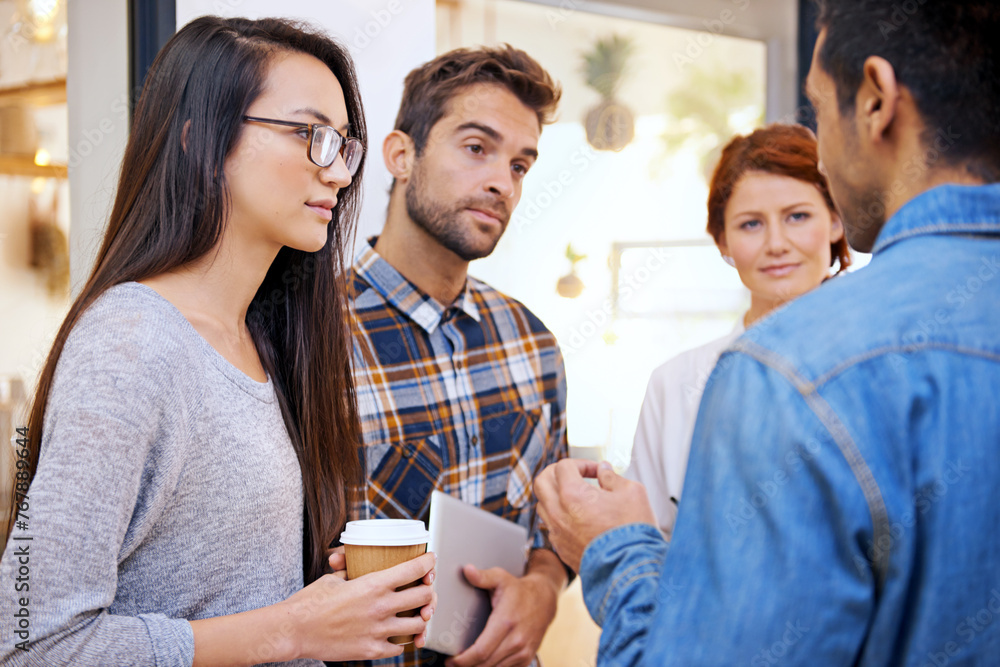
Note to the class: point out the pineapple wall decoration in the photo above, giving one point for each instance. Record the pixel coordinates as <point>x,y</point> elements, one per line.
<point>610,125</point>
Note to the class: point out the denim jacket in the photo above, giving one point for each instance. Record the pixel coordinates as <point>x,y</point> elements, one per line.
<point>840,505</point>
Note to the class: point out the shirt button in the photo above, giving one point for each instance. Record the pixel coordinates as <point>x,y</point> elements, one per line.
<point>475,440</point>
<point>458,364</point>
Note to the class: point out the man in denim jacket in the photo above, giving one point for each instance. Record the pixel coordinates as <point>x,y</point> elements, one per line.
<point>840,505</point>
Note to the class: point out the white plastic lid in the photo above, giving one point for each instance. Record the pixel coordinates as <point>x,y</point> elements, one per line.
<point>385,532</point>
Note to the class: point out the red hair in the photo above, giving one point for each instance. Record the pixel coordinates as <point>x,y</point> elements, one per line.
<point>784,150</point>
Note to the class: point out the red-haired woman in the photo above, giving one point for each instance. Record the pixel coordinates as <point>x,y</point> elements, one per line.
<point>772,218</point>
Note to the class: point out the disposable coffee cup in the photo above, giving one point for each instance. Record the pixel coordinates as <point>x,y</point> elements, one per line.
<point>377,544</point>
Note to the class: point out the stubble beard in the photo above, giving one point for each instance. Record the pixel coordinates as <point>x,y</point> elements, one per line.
<point>856,198</point>
<point>863,215</point>
<point>444,224</point>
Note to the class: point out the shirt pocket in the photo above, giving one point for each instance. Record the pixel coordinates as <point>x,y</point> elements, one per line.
<point>401,477</point>
<point>516,444</point>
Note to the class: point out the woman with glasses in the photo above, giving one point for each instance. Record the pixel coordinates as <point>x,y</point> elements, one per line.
<point>772,218</point>
<point>192,442</point>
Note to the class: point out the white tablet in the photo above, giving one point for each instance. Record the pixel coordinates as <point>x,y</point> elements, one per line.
<point>462,534</point>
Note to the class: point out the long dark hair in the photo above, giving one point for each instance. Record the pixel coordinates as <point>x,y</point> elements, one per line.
<point>170,209</point>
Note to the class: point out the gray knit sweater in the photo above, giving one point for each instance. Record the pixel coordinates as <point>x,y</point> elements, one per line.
<point>167,489</point>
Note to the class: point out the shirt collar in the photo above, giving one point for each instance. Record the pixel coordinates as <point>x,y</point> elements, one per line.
<point>945,209</point>
<point>738,327</point>
<point>423,309</point>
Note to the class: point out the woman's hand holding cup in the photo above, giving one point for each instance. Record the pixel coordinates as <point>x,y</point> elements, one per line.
<point>334,619</point>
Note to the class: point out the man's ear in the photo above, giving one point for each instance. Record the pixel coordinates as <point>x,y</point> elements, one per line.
<point>878,98</point>
<point>399,154</point>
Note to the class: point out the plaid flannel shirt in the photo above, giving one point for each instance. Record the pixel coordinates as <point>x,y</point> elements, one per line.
<point>469,399</point>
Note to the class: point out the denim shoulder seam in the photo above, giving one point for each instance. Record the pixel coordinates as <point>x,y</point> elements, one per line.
<point>899,349</point>
<point>938,228</point>
<point>828,417</point>
<point>614,584</point>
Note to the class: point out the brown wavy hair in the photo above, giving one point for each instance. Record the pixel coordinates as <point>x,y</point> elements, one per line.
<point>429,88</point>
<point>784,150</point>
<point>170,209</point>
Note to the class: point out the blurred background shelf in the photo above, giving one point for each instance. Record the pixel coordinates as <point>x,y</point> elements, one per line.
<point>15,104</point>
<point>36,93</point>
<point>25,166</point>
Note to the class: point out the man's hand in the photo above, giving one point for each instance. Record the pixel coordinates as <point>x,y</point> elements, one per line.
<point>576,512</point>
<point>523,609</point>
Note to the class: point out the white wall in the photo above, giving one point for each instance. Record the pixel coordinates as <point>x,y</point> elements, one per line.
<point>97,97</point>
<point>387,38</point>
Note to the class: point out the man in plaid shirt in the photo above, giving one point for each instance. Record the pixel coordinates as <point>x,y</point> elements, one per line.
<point>460,388</point>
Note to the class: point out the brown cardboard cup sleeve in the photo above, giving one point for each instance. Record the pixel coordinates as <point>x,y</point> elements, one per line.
<point>377,544</point>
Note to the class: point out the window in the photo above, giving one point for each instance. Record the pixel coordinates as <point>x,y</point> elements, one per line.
<point>654,284</point>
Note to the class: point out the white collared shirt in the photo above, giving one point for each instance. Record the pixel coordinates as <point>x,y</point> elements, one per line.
<point>666,423</point>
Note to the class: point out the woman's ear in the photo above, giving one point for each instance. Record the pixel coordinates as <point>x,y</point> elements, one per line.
<point>723,247</point>
<point>836,229</point>
<point>399,154</point>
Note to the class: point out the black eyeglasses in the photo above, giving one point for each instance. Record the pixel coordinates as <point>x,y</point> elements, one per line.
<point>324,143</point>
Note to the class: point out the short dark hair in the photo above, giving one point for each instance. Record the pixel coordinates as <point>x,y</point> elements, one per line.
<point>429,88</point>
<point>947,54</point>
